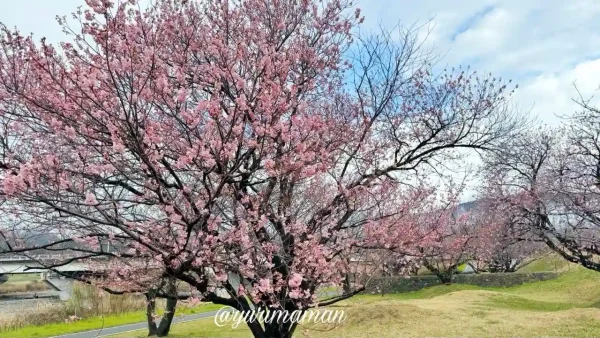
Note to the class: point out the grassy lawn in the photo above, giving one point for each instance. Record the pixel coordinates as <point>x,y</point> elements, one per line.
<point>566,306</point>
<point>23,277</point>
<point>97,323</point>
<point>327,292</point>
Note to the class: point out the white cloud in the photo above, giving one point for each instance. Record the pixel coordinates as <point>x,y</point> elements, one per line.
<point>488,35</point>
<point>552,95</point>
<point>543,45</point>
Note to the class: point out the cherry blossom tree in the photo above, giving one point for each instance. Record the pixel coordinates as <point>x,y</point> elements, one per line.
<point>545,183</point>
<point>399,264</point>
<point>511,255</point>
<point>509,244</point>
<point>461,236</point>
<point>243,147</point>
<point>577,189</point>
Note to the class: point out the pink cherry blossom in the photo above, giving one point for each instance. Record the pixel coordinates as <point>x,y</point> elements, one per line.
<point>230,145</point>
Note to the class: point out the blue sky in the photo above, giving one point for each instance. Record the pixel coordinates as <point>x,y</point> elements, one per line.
<point>543,45</point>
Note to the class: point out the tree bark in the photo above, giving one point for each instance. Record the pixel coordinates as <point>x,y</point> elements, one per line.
<point>347,286</point>
<point>163,328</point>
<point>167,318</point>
<point>279,329</point>
<point>446,277</point>
<point>150,311</point>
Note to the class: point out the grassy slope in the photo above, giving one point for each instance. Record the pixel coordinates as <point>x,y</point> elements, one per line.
<point>566,306</point>
<point>23,286</point>
<point>97,323</point>
<point>548,262</point>
<point>23,283</point>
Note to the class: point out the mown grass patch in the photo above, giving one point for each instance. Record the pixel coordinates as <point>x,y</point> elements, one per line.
<point>433,291</point>
<point>548,262</point>
<point>577,285</point>
<point>463,313</point>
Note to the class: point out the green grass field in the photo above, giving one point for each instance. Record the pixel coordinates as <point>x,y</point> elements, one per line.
<point>23,277</point>
<point>98,322</point>
<point>566,306</point>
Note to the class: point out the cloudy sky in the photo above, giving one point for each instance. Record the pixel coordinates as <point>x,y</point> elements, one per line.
<point>543,45</point>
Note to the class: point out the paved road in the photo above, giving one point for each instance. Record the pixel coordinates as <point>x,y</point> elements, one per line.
<point>133,327</point>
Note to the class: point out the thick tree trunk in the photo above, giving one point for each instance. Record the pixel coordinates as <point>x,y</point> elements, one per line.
<point>167,318</point>
<point>279,330</point>
<point>150,311</point>
<point>273,330</point>
<point>162,330</point>
<point>445,276</point>
<point>257,330</point>
<point>274,327</point>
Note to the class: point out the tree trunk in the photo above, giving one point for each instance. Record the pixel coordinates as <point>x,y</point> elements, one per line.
<point>167,318</point>
<point>274,326</point>
<point>279,329</point>
<point>162,330</point>
<point>446,277</point>
<point>347,288</point>
<point>150,311</point>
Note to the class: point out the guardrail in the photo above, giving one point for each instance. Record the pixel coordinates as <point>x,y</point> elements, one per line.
<point>20,258</point>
